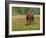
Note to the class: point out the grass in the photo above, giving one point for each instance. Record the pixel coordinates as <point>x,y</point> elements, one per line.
<point>19,23</point>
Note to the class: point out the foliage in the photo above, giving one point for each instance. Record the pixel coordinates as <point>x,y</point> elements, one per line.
<point>24,10</point>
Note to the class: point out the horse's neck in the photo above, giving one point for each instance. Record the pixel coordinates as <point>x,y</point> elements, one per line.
<point>29,14</point>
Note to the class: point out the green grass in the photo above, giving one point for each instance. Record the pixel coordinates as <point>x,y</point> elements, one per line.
<point>19,24</point>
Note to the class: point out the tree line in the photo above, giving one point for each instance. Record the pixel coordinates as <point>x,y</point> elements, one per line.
<point>24,10</point>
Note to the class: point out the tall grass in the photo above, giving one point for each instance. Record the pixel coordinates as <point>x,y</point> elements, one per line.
<point>19,23</point>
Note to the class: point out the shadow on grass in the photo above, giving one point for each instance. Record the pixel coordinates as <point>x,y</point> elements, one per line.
<point>27,24</point>
<point>30,24</point>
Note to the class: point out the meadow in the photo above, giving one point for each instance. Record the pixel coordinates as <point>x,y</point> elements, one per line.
<point>19,23</point>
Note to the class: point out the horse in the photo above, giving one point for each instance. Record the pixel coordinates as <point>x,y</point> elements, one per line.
<point>29,17</point>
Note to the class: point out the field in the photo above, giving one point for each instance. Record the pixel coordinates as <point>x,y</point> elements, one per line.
<point>19,23</point>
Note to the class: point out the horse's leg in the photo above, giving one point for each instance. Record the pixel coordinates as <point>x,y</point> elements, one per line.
<point>27,19</point>
<point>32,18</point>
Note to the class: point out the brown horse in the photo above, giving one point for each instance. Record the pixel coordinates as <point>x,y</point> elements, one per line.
<point>29,17</point>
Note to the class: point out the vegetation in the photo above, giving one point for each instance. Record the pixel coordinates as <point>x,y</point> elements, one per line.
<point>19,19</point>
<point>19,23</point>
<point>24,10</point>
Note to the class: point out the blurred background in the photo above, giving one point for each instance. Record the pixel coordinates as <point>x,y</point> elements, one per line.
<point>24,10</point>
